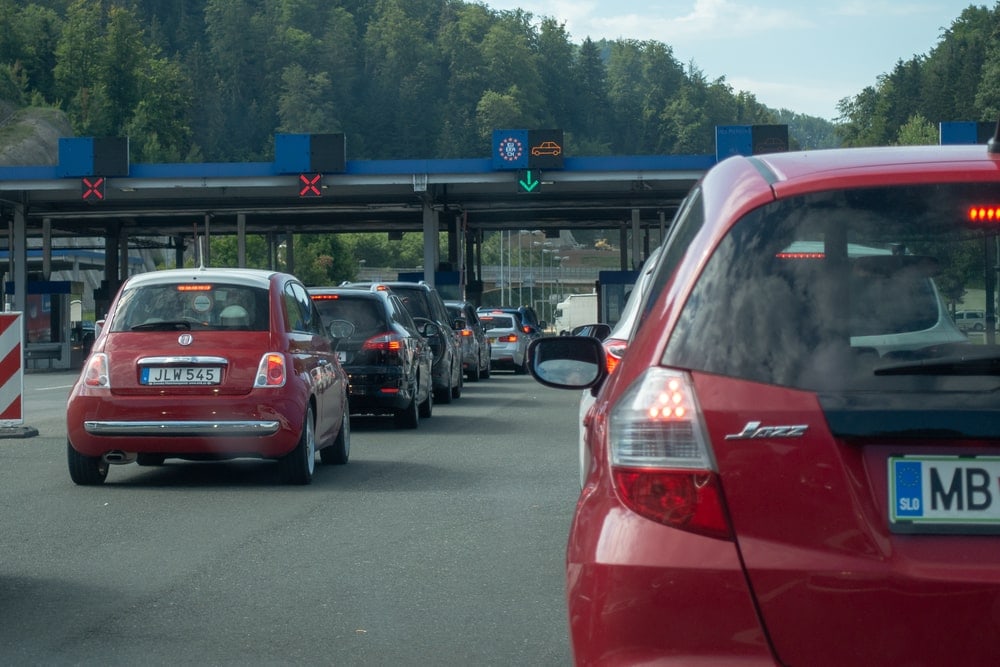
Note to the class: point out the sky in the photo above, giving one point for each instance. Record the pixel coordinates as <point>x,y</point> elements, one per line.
<point>790,54</point>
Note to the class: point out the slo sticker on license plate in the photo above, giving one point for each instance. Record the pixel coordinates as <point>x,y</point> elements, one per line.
<point>181,375</point>
<point>944,494</point>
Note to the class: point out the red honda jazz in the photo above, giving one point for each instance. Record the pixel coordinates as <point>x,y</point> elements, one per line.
<point>797,460</point>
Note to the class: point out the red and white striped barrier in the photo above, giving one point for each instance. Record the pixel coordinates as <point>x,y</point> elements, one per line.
<point>11,368</point>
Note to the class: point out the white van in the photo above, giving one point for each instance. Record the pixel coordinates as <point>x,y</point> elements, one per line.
<point>971,320</point>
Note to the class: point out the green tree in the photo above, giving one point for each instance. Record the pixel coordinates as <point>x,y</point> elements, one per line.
<point>917,131</point>
<point>305,104</point>
<point>591,118</point>
<point>78,66</point>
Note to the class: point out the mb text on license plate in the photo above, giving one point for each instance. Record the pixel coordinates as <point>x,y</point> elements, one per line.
<point>181,375</point>
<point>944,494</point>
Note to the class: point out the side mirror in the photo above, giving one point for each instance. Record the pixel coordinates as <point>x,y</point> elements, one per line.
<point>459,323</point>
<point>428,329</point>
<point>567,362</point>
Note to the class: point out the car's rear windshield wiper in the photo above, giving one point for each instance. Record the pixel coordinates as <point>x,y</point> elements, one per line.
<point>165,325</point>
<point>956,365</point>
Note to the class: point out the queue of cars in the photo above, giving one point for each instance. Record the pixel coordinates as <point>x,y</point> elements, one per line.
<point>795,458</point>
<point>208,364</point>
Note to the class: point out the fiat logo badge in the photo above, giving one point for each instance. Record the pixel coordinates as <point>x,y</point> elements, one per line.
<point>185,339</point>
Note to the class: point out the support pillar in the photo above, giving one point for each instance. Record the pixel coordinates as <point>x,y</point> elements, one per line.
<point>430,219</point>
<point>241,240</point>
<point>19,253</point>
<point>636,240</point>
<point>46,249</point>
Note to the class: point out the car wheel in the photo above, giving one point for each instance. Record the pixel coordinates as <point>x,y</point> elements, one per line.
<point>456,389</point>
<point>85,470</point>
<point>977,327</point>
<point>443,394</point>
<point>409,417</point>
<point>427,407</point>
<point>340,451</point>
<point>150,459</point>
<point>522,368</point>
<point>298,466</point>
<point>485,371</point>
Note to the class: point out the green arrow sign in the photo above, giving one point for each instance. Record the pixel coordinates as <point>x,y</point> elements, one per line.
<point>529,180</point>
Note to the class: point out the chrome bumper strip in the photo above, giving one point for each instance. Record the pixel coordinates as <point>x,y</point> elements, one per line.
<point>182,428</point>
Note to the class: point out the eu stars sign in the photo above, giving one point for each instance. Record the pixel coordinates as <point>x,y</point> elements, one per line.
<point>527,149</point>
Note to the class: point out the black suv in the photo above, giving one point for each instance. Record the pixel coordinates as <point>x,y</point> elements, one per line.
<point>385,353</point>
<point>425,305</point>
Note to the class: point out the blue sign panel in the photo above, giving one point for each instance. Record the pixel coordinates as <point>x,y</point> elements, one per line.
<point>510,149</point>
<point>965,132</point>
<point>733,140</point>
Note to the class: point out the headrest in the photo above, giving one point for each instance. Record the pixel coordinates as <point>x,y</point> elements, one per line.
<point>234,316</point>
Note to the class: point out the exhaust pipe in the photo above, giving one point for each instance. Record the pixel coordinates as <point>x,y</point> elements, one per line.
<point>119,457</point>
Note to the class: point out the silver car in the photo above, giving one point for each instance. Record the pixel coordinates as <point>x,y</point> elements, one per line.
<point>508,341</point>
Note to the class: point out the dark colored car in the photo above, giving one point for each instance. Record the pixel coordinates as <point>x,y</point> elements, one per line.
<point>475,346</point>
<point>425,305</point>
<point>799,434</point>
<point>386,356</point>
<point>209,364</point>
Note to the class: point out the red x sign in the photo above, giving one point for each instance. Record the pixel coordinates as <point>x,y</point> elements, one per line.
<point>310,184</point>
<point>93,188</point>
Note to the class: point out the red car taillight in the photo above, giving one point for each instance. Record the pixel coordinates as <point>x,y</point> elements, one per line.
<point>384,342</point>
<point>660,458</point>
<point>614,350</point>
<point>466,332</point>
<point>510,338</point>
<point>95,375</point>
<point>271,371</point>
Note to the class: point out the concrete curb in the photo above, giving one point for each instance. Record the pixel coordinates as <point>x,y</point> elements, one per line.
<point>18,431</point>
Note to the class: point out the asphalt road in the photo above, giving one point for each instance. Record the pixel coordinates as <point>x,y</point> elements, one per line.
<point>440,546</point>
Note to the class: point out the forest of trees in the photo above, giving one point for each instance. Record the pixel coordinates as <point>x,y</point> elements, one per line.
<point>214,80</point>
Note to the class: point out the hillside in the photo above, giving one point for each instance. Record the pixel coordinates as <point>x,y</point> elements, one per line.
<point>30,136</point>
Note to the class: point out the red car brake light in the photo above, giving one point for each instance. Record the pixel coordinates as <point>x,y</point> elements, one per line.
<point>526,329</point>
<point>466,332</point>
<point>614,350</point>
<point>660,459</point>
<point>509,338</point>
<point>384,342</point>
<point>95,375</point>
<point>271,371</point>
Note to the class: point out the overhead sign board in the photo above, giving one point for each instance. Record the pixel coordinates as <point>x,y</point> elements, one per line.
<point>528,149</point>
<point>545,149</point>
<point>319,153</point>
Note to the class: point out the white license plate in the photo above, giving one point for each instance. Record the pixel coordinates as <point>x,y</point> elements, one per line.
<point>944,494</point>
<point>341,356</point>
<point>181,375</point>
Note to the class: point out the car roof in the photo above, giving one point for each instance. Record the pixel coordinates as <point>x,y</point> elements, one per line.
<point>812,170</point>
<point>250,277</point>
